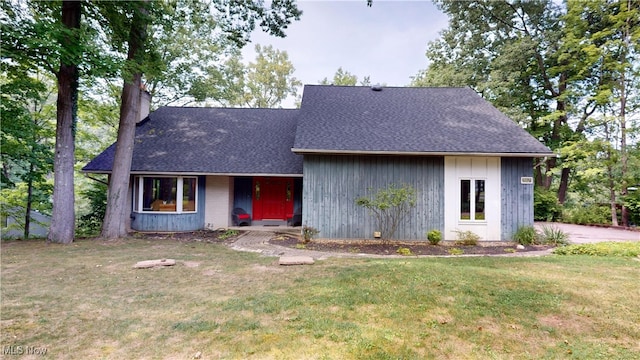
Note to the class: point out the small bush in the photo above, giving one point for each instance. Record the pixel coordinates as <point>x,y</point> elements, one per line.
<point>434,237</point>
<point>227,234</point>
<point>545,205</point>
<point>308,233</point>
<point>404,251</point>
<point>590,214</point>
<point>467,238</point>
<point>551,235</point>
<point>455,251</point>
<point>621,249</point>
<point>526,235</point>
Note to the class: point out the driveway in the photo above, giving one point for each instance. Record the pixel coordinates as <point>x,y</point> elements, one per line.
<point>581,234</point>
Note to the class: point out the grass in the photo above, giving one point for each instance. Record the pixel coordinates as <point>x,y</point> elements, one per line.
<point>86,301</point>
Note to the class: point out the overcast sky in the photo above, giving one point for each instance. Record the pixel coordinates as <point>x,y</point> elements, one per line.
<point>386,41</point>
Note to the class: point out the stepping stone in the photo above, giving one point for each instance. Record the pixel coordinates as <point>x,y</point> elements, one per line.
<point>154,263</point>
<point>296,260</point>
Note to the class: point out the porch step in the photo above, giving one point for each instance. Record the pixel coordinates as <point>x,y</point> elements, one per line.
<point>270,222</point>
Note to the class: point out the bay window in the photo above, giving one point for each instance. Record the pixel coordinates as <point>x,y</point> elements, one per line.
<point>164,194</point>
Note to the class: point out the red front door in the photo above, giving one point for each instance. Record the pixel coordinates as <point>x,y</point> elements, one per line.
<point>272,198</point>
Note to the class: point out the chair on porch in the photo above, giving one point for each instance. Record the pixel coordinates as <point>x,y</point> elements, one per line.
<point>295,219</point>
<point>240,217</point>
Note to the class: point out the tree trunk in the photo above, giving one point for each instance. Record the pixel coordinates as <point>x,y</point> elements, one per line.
<point>27,217</point>
<point>118,205</point>
<point>63,215</point>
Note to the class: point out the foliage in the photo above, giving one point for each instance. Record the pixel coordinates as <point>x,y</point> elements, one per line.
<point>545,205</point>
<point>404,251</point>
<point>622,249</point>
<point>14,205</point>
<point>90,223</point>
<point>632,202</point>
<point>263,83</point>
<point>345,78</point>
<point>455,251</point>
<point>552,235</point>
<point>466,238</point>
<point>434,236</point>
<point>389,206</point>
<point>228,233</point>
<point>587,214</point>
<point>308,233</point>
<point>526,235</point>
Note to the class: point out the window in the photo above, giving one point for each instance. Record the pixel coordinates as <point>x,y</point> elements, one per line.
<point>162,193</point>
<point>472,199</point>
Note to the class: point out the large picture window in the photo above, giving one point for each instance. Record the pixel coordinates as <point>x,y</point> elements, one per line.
<point>165,194</point>
<point>472,199</point>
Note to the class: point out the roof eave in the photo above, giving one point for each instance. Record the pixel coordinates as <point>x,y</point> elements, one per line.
<point>420,153</point>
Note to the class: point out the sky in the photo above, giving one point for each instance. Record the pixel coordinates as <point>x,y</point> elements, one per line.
<point>386,41</point>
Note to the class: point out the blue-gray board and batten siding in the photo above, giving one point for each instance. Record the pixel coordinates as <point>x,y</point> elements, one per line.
<point>517,198</point>
<point>332,183</point>
<point>160,221</point>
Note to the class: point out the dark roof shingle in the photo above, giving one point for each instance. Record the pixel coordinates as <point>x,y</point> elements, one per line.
<point>358,119</point>
<point>211,141</point>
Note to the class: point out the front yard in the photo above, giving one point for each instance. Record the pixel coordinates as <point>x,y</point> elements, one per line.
<point>85,301</point>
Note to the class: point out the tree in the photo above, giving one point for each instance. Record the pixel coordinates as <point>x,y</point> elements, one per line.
<point>389,206</point>
<point>263,83</point>
<point>129,23</point>
<point>113,225</point>
<point>48,36</point>
<point>534,61</point>
<point>25,143</point>
<point>343,77</point>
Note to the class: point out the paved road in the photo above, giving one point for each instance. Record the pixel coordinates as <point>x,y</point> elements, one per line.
<point>580,234</point>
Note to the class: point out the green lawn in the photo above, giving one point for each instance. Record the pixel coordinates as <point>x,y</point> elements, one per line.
<point>85,301</point>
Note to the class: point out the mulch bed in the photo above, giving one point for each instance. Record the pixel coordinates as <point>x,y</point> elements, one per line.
<point>391,248</point>
<point>210,236</point>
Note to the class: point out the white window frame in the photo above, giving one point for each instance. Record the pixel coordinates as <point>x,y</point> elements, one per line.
<point>472,200</point>
<point>138,195</point>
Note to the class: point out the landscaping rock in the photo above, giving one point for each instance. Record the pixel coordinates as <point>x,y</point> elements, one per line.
<point>296,260</point>
<point>520,247</point>
<point>154,263</point>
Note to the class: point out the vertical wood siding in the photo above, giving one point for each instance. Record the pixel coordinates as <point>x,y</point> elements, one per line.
<point>517,198</point>
<point>173,222</point>
<point>332,183</point>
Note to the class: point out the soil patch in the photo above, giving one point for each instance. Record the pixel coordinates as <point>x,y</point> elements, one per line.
<point>222,236</point>
<point>399,248</point>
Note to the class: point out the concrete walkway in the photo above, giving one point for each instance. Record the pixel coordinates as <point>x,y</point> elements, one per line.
<point>581,234</point>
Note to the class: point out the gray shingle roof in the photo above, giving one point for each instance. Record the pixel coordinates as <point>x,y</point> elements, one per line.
<point>403,119</point>
<point>212,140</point>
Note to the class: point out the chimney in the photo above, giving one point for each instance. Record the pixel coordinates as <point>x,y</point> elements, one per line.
<point>144,103</point>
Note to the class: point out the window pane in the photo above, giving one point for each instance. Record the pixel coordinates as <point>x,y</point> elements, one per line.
<point>189,194</point>
<point>479,200</point>
<point>136,193</point>
<point>160,194</point>
<point>465,199</point>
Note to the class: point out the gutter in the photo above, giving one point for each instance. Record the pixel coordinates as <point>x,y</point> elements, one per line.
<point>418,153</point>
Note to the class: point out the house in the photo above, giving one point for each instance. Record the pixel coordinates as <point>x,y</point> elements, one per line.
<point>471,166</point>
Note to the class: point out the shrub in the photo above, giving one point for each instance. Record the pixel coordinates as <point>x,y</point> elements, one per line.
<point>590,214</point>
<point>404,251</point>
<point>308,233</point>
<point>551,235</point>
<point>389,206</point>
<point>545,205</point>
<point>622,249</point>
<point>467,238</point>
<point>434,237</point>
<point>526,235</point>
<point>455,251</point>
<point>227,234</point>
<point>632,202</point>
